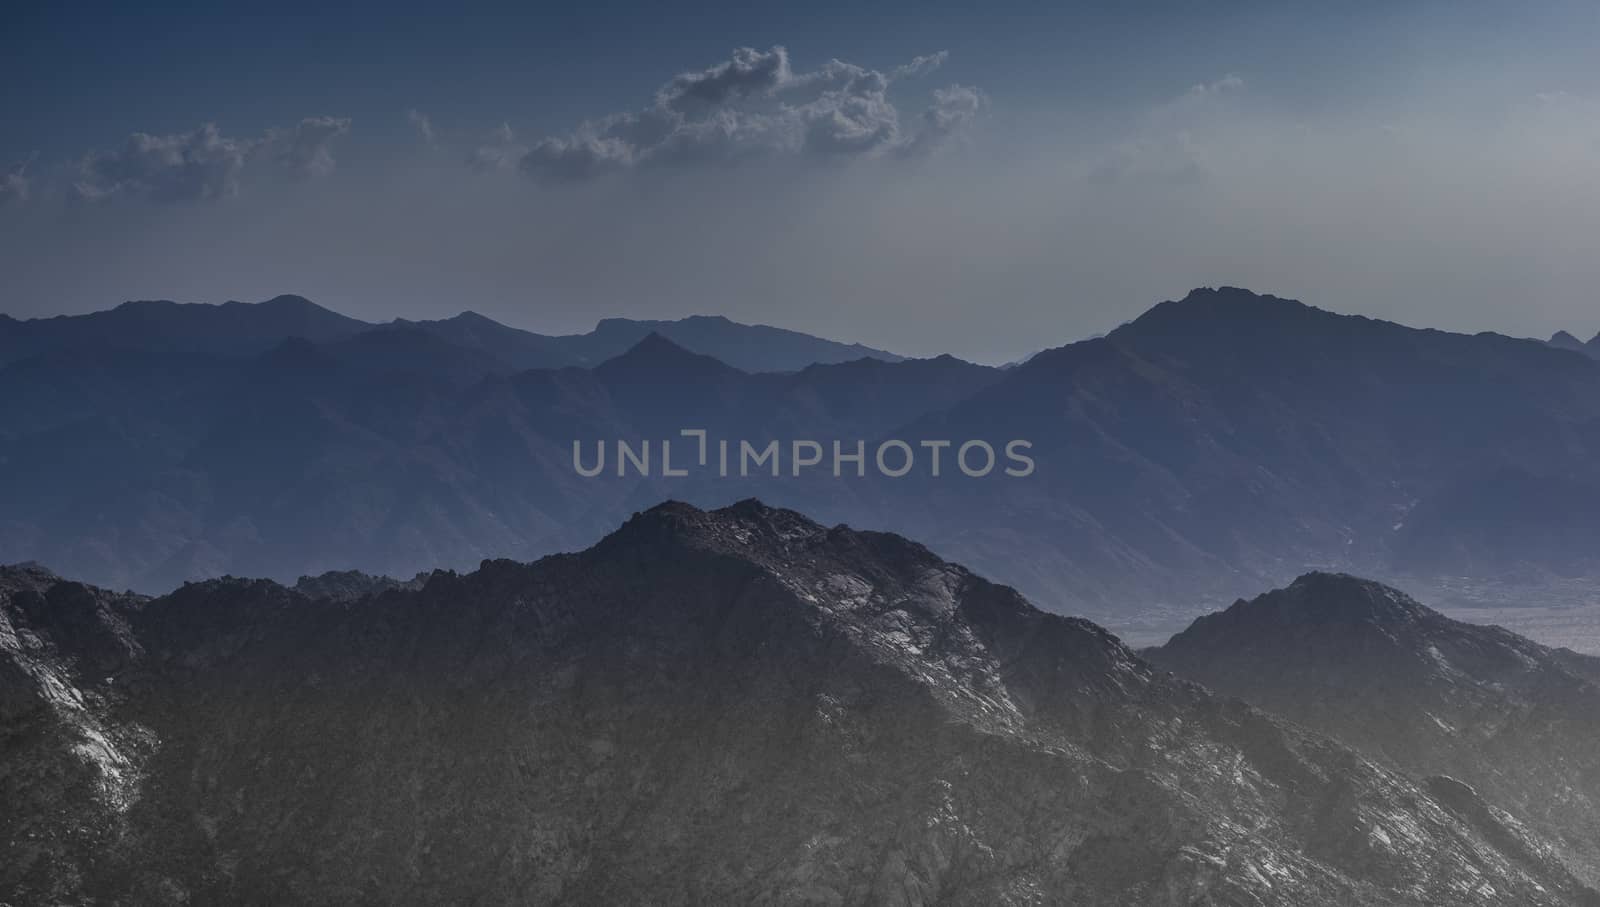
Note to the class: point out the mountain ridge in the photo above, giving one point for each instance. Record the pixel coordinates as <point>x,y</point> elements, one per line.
<point>738,705</point>
<point>1371,666</point>
<point>239,328</point>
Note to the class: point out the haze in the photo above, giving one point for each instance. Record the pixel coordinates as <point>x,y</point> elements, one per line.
<point>910,177</point>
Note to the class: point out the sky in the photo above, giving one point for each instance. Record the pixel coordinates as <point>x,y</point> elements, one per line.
<point>981,179</point>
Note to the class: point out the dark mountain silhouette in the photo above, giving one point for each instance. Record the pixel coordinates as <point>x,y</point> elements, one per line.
<point>751,348</point>
<point>1215,445</point>
<point>516,348</point>
<point>231,329</point>
<point>242,329</point>
<point>739,706</point>
<point>1235,440</point>
<point>1367,664</point>
<point>747,347</point>
<point>381,452</point>
<point>1565,341</point>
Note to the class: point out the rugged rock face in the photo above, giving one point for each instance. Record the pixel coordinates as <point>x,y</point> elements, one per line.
<point>1365,663</point>
<point>739,706</point>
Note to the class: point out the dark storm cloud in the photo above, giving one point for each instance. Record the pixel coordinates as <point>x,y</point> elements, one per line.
<point>753,105</point>
<point>204,165</point>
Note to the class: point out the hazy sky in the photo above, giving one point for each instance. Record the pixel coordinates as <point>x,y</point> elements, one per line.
<point>984,179</point>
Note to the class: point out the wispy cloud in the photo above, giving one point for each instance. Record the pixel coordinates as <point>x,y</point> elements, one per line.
<point>14,183</point>
<point>1164,148</point>
<point>422,124</point>
<point>499,150</point>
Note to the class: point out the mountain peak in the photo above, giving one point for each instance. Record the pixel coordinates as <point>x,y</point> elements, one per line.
<point>1227,298</point>
<point>1352,596</point>
<point>789,544</point>
<point>655,353</point>
<point>468,316</point>
<point>1313,603</point>
<point>746,525</point>
<point>1564,340</point>
<point>1227,311</point>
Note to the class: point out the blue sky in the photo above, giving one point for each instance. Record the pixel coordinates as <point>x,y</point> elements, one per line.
<point>1045,171</point>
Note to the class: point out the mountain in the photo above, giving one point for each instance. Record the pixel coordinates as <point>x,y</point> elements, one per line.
<point>751,348</point>
<point>244,329</point>
<point>518,349</point>
<point>1216,445</point>
<point>1367,664</point>
<point>1231,440</point>
<point>381,452</point>
<point>1562,340</point>
<point>739,706</point>
<point>747,347</point>
<point>233,328</point>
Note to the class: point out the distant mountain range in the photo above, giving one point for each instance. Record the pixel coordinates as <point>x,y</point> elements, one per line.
<point>1216,445</point>
<point>729,707</point>
<point>1507,719</point>
<point>236,328</point>
<point>1565,341</point>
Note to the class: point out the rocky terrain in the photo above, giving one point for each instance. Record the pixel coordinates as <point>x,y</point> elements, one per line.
<point>734,706</point>
<point>1365,663</point>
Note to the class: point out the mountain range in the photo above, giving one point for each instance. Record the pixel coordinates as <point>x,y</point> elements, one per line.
<point>735,706</point>
<point>1508,720</point>
<point>236,328</point>
<point>1565,341</point>
<point>1214,446</point>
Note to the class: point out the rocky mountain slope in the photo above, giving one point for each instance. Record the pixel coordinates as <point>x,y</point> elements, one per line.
<point>739,706</point>
<point>1367,664</point>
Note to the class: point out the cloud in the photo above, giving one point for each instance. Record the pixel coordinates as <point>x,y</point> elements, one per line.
<point>304,149</point>
<point>749,72</point>
<point>203,165</point>
<point>953,108</point>
<point>920,66</point>
<point>420,122</point>
<point>752,105</point>
<point>200,165</point>
<point>1166,147</point>
<point>500,151</point>
<point>14,183</point>
<point>1173,160</point>
<point>1224,85</point>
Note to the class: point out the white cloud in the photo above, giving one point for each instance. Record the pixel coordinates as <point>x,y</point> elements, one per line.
<point>752,105</point>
